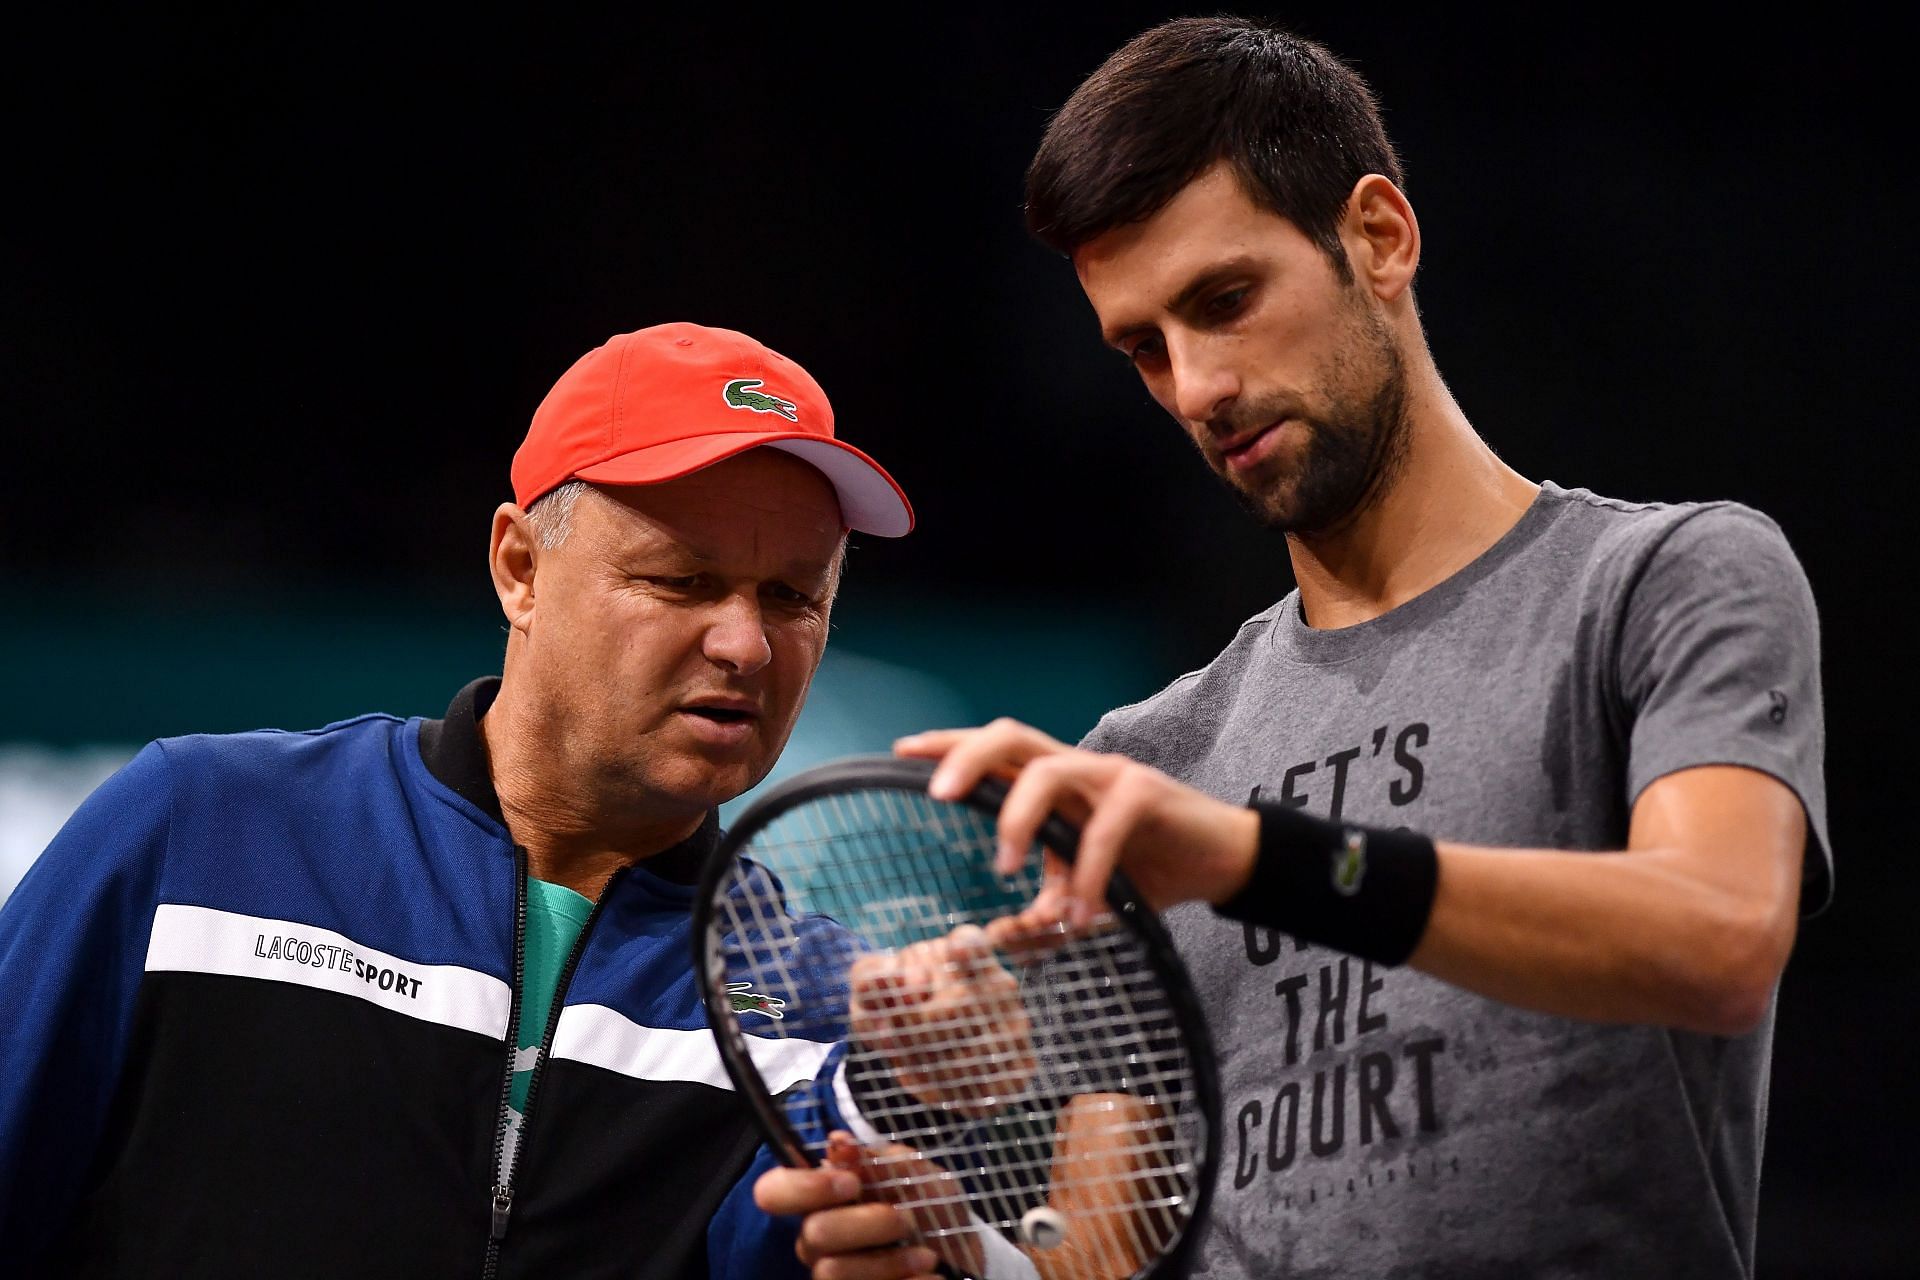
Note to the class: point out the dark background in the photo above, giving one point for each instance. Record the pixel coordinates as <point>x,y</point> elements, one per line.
<point>281,293</point>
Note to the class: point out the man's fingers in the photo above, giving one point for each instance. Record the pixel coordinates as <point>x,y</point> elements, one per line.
<point>1050,904</point>
<point>905,1262</point>
<point>973,971</point>
<point>1002,747</point>
<point>844,1151</point>
<point>797,1191</point>
<point>930,745</point>
<point>872,975</point>
<point>1020,935</point>
<point>969,952</point>
<point>853,1227</point>
<point>1121,811</point>
<point>1010,856</point>
<point>884,985</point>
<point>1068,783</point>
<point>1041,928</point>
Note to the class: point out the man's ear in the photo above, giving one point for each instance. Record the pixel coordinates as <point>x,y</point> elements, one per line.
<point>1382,238</point>
<point>513,556</point>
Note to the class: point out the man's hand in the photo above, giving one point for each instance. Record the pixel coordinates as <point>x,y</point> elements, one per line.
<point>948,1019</point>
<point>843,1240</point>
<point>1109,1175</point>
<point>1176,844</point>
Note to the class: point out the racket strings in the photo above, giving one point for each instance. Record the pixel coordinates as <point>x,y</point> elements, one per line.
<point>1086,1107</point>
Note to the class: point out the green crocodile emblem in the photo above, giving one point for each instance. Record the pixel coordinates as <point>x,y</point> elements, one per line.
<point>746,1000</point>
<point>1350,864</point>
<point>740,394</point>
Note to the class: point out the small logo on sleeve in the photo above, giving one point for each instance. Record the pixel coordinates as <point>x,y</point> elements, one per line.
<point>1778,711</point>
<point>740,394</point>
<point>745,999</point>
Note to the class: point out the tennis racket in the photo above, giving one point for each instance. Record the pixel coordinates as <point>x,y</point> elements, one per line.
<point>1038,1101</point>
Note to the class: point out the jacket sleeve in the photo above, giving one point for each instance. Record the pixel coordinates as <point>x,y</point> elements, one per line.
<point>73,945</point>
<point>745,1244</point>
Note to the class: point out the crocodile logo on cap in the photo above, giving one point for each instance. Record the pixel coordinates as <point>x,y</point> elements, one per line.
<point>740,394</point>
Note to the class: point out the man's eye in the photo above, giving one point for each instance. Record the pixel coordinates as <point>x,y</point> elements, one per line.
<point>675,584</point>
<point>1225,304</point>
<point>789,595</point>
<point>1146,351</point>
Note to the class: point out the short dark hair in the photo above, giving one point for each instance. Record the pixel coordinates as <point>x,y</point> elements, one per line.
<point>1299,127</point>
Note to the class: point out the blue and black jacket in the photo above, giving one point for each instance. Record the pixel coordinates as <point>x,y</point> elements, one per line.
<point>257,1003</point>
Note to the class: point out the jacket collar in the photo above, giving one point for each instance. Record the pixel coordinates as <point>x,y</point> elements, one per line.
<point>454,753</point>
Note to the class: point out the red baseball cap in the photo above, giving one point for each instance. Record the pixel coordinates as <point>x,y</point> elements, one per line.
<point>664,402</point>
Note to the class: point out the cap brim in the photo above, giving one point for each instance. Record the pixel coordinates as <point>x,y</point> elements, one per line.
<point>870,500</point>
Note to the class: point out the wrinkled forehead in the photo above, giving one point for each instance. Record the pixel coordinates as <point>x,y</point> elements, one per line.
<point>765,506</point>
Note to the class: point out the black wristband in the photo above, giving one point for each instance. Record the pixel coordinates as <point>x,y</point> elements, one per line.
<point>1362,890</point>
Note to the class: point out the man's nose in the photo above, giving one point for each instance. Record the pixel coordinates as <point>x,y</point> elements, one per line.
<point>736,636</point>
<point>1204,384</point>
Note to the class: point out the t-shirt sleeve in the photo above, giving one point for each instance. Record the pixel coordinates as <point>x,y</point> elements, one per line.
<point>1719,663</point>
<point>1102,737</point>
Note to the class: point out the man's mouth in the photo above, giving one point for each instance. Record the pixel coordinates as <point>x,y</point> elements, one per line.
<point>723,723</point>
<point>724,713</point>
<point>1246,448</point>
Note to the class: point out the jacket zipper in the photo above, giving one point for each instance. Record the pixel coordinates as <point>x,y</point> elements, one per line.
<point>502,1203</point>
<point>502,1207</point>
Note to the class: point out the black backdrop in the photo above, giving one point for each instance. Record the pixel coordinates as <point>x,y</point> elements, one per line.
<point>281,292</point>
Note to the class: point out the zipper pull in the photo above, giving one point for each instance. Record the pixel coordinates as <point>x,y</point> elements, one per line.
<point>502,1206</point>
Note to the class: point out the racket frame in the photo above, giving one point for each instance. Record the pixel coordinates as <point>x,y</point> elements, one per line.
<point>887,772</point>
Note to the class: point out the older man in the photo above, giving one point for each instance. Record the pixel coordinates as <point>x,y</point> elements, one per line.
<point>411,998</point>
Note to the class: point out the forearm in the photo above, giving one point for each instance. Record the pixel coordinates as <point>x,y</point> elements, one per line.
<point>1615,937</point>
<point>1688,927</point>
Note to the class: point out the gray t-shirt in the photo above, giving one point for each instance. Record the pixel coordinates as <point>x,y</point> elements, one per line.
<point>1380,1123</point>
